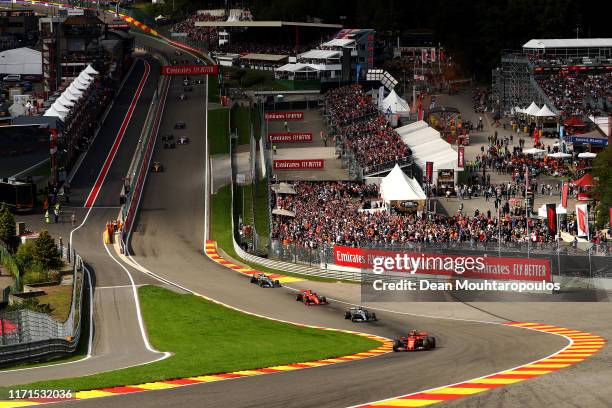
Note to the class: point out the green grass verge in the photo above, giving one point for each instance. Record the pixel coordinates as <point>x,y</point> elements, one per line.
<point>206,338</point>
<point>260,204</point>
<point>221,232</point>
<point>218,132</point>
<point>240,121</point>
<point>244,203</point>
<point>256,120</point>
<point>213,89</point>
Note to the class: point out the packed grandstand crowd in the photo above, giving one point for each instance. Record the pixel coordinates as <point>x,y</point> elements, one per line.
<point>580,94</point>
<point>345,213</point>
<point>362,128</point>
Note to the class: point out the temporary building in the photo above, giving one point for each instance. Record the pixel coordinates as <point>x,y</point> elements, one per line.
<point>412,127</point>
<point>90,70</point>
<point>60,108</point>
<point>21,61</point>
<point>74,90</point>
<point>532,110</point>
<point>545,112</point>
<point>85,76</point>
<point>397,186</point>
<point>584,181</point>
<point>393,103</point>
<point>282,211</point>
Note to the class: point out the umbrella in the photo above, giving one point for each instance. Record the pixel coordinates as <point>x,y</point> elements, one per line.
<point>587,155</point>
<point>533,150</point>
<point>559,155</point>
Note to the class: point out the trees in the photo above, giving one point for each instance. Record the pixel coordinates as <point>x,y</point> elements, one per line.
<point>45,252</point>
<point>7,225</point>
<point>602,170</point>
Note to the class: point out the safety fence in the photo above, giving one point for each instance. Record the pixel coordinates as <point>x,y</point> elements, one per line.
<point>28,336</point>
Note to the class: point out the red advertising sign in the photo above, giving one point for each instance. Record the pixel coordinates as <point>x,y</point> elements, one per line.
<point>429,171</point>
<point>472,266</point>
<point>284,115</point>
<point>313,164</point>
<point>564,194</point>
<point>461,157</point>
<point>189,69</point>
<point>290,137</point>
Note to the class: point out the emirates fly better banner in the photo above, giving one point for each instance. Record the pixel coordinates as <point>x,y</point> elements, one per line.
<point>290,137</point>
<point>476,266</point>
<point>284,115</point>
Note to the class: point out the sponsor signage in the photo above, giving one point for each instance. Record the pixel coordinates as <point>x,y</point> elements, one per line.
<point>313,164</point>
<point>582,218</point>
<point>564,194</point>
<point>118,25</point>
<point>461,157</point>
<point>190,70</point>
<point>472,266</point>
<point>429,171</point>
<point>75,12</point>
<point>588,140</point>
<point>290,137</point>
<point>284,115</point>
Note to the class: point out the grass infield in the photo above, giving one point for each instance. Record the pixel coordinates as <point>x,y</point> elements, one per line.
<point>207,338</point>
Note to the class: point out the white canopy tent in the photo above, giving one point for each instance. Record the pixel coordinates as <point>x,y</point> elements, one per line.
<point>53,113</point>
<point>534,150</point>
<point>68,94</point>
<point>397,186</point>
<point>65,100</point>
<point>545,112</point>
<point>394,103</point>
<point>532,110</point>
<point>89,70</point>
<point>587,155</point>
<point>411,128</point>
<point>542,211</point>
<point>85,77</point>
<point>559,155</point>
<point>60,108</point>
<point>74,90</point>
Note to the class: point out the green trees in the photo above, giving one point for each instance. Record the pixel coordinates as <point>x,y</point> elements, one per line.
<point>45,252</point>
<point>7,225</point>
<point>602,170</point>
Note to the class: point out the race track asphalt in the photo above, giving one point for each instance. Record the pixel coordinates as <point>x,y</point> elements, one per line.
<point>118,341</point>
<point>168,240</point>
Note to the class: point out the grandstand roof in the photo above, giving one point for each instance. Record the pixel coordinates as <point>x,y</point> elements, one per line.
<point>263,24</point>
<point>339,42</point>
<point>265,57</point>
<point>320,54</point>
<point>569,43</point>
<point>295,67</point>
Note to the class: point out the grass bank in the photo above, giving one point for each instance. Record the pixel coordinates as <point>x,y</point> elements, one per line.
<point>218,132</point>
<point>206,338</point>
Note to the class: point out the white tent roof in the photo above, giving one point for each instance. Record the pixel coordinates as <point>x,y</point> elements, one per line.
<point>426,145</point>
<point>85,76</point>
<point>532,109</point>
<point>559,155</point>
<point>587,155</point>
<point>65,100</point>
<point>398,186</point>
<point>544,112</point>
<point>395,103</point>
<point>81,83</point>
<point>412,127</point>
<point>75,90</point>
<point>70,95</point>
<point>339,42</point>
<point>21,61</point>
<point>89,70</point>
<point>299,67</point>
<point>59,107</point>
<point>52,112</point>
<point>320,54</point>
<point>568,43</point>
<point>534,150</point>
<point>542,211</point>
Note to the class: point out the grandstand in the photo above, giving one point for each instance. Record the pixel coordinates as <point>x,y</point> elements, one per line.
<point>548,71</point>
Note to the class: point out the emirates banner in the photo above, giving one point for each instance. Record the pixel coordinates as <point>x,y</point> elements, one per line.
<point>582,219</point>
<point>284,115</point>
<point>564,194</point>
<point>189,69</point>
<point>312,164</point>
<point>461,157</point>
<point>290,137</point>
<point>476,266</point>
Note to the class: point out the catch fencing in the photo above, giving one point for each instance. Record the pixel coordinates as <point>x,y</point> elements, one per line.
<point>27,335</point>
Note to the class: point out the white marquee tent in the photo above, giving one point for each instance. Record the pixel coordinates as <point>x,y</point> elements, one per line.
<point>21,61</point>
<point>394,103</point>
<point>398,186</point>
<point>427,145</point>
<point>90,70</point>
<point>545,112</point>
<point>532,110</point>
<point>63,105</point>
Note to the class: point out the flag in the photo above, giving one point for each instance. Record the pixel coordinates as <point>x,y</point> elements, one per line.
<point>551,218</point>
<point>582,219</point>
<point>610,220</point>
<point>433,55</point>
<point>424,54</point>
<point>564,194</point>
<point>442,55</point>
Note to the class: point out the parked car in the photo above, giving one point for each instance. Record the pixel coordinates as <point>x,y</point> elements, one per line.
<point>12,78</point>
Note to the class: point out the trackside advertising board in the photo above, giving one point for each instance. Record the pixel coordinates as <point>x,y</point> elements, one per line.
<point>468,266</point>
<point>290,137</point>
<point>313,164</point>
<point>189,69</point>
<point>284,115</point>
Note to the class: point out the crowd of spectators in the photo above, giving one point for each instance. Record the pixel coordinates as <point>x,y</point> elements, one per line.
<point>328,213</point>
<point>208,34</point>
<point>363,129</point>
<point>579,94</point>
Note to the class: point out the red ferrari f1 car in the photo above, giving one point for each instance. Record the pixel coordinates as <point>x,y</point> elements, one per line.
<point>415,340</point>
<point>308,297</point>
